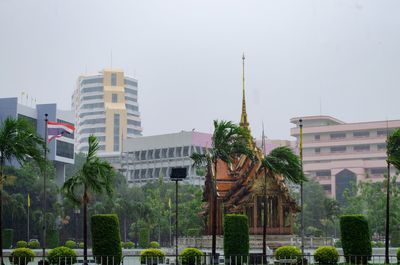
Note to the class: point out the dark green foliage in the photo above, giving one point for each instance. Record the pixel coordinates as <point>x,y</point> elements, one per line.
<point>355,237</point>
<point>62,256</point>
<point>81,245</point>
<point>236,236</point>
<point>70,244</point>
<point>53,238</point>
<point>144,238</point>
<point>22,244</point>
<point>393,148</point>
<point>21,256</point>
<point>193,232</point>
<point>288,252</point>
<point>154,244</point>
<point>34,244</point>
<point>8,237</point>
<point>191,256</point>
<point>326,255</point>
<point>395,238</point>
<point>398,254</point>
<point>151,256</point>
<point>106,241</point>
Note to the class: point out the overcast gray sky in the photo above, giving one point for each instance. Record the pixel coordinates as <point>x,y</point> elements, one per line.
<point>303,56</point>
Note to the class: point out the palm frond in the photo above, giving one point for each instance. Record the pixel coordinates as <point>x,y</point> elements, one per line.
<point>199,160</point>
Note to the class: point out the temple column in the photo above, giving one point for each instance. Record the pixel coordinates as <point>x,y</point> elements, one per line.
<point>280,214</point>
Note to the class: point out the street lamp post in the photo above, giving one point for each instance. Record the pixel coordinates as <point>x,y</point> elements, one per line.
<point>301,187</point>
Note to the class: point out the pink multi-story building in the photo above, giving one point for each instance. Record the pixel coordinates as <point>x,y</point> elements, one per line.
<point>337,153</point>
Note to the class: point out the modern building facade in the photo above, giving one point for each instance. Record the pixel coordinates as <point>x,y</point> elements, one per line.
<point>337,153</point>
<point>106,105</point>
<point>61,150</point>
<point>148,158</point>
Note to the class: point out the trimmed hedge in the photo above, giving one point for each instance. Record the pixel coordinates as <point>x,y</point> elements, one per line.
<point>62,256</point>
<point>326,255</point>
<point>70,244</point>
<point>154,244</point>
<point>236,237</point>
<point>129,245</point>
<point>106,241</point>
<point>21,256</point>
<point>152,256</point>
<point>288,252</point>
<point>191,256</point>
<point>34,244</point>
<point>8,237</point>
<point>355,237</point>
<point>22,244</point>
<point>144,238</point>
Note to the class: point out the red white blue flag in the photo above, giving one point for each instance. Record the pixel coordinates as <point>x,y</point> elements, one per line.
<point>58,129</point>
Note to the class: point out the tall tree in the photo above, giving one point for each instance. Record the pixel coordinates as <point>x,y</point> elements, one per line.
<point>19,141</point>
<point>229,140</point>
<point>95,176</point>
<point>280,161</point>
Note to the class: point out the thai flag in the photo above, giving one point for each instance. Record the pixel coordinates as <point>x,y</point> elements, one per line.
<point>58,129</point>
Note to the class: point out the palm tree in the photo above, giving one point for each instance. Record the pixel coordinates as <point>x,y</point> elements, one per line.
<point>280,161</point>
<point>229,140</point>
<point>95,176</point>
<point>19,141</point>
<point>393,158</point>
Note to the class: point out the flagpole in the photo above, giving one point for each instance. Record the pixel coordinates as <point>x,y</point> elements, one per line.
<point>44,188</point>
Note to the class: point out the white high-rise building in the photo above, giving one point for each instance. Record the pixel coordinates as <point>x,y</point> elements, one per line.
<point>106,105</point>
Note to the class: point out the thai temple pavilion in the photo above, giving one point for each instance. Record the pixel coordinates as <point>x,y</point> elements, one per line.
<point>240,190</point>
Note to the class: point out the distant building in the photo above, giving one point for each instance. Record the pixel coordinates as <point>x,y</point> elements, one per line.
<point>148,158</point>
<point>61,150</point>
<point>106,105</point>
<point>337,153</point>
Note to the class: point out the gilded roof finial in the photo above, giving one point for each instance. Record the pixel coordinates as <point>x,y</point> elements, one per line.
<point>243,120</point>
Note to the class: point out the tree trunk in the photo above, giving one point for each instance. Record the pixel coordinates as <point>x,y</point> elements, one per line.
<point>85,246</point>
<point>214,216</point>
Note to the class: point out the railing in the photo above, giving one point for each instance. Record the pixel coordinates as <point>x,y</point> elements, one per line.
<point>251,259</point>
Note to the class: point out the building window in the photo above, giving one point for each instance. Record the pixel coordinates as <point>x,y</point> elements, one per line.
<point>338,149</point>
<point>116,131</point>
<point>382,132</point>
<point>317,150</point>
<point>361,148</point>
<point>323,173</point>
<point>64,149</point>
<point>113,79</point>
<point>382,146</point>
<point>361,134</point>
<point>317,137</point>
<point>378,171</point>
<point>114,98</point>
<point>337,136</point>
<point>327,187</point>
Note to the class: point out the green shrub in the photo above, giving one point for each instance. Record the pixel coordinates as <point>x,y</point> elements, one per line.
<point>395,238</point>
<point>8,237</point>
<point>70,244</point>
<point>193,232</point>
<point>288,252</point>
<point>398,254</point>
<point>151,256</point>
<point>53,238</point>
<point>154,244</point>
<point>106,241</point>
<point>355,237</point>
<point>34,244</point>
<point>236,237</point>
<point>22,244</point>
<point>62,256</point>
<point>338,244</point>
<point>191,256</point>
<point>129,245</point>
<point>144,238</point>
<point>326,255</point>
<point>21,256</point>
<point>81,245</point>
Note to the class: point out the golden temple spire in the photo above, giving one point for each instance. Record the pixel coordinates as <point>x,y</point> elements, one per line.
<point>243,120</point>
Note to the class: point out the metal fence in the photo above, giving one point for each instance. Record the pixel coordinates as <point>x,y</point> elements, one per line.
<point>252,259</point>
